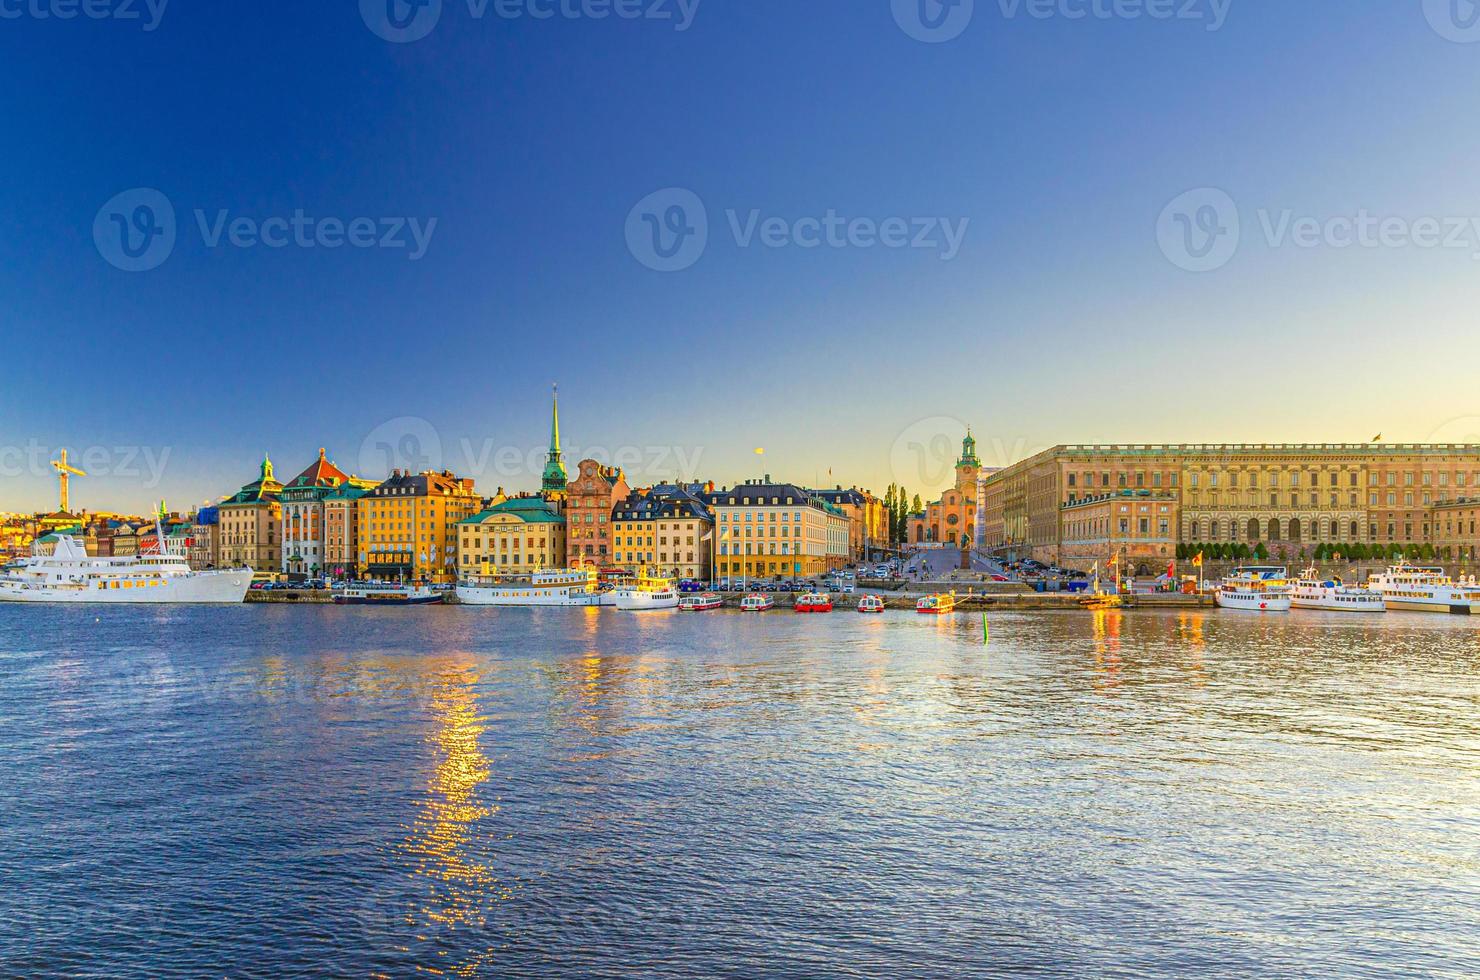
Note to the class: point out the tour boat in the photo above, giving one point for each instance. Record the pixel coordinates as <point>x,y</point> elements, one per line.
<point>871,604</point>
<point>1312,592</point>
<point>813,602</point>
<point>387,594</point>
<point>700,603</point>
<point>644,592</point>
<point>1258,588</point>
<point>758,602</point>
<point>555,587</point>
<point>937,605</point>
<point>162,575</point>
<point>1408,588</point>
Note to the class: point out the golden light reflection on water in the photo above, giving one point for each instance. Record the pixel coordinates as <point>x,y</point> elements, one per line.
<point>457,889</point>
<point>1106,627</point>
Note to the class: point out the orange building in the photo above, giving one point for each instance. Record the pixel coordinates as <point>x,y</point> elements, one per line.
<point>952,519</point>
<point>408,525</point>
<point>589,499</point>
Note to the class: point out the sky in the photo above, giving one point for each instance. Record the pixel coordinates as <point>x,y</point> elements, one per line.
<point>838,231</point>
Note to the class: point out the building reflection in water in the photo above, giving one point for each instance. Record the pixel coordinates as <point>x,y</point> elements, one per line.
<point>1107,624</point>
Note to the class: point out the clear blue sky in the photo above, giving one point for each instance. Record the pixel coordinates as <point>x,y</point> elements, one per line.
<point>1059,140</point>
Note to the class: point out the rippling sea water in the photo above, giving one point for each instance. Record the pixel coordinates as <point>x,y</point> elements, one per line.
<point>280,792</point>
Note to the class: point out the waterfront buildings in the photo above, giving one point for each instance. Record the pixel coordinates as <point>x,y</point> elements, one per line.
<point>952,518</point>
<point>205,539</point>
<point>1456,528</point>
<point>342,529</point>
<point>248,524</point>
<point>305,528</point>
<point>408,525</point>
<point>515,535</point>
<point>777,530</point>
<point>868,519</point>
<point>667,528</point>
<point>589,499</point>
<point>1289,497</point>
<point>1139,526</point>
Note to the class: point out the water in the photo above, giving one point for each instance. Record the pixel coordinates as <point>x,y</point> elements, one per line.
<point>277,791</point>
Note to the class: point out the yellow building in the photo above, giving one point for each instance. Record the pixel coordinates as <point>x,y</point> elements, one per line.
<point>516,535</point>
<point>1139,526</point>
<point>777,530</point>
<point>408,526</point>
<point>1456,529</point>
<point>951,520</point>
<point>667,529</point>
<point>248,525</point>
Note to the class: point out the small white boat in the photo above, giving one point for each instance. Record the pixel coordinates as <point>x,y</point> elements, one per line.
<point>1256,588</point>
<point>387,594</point>
<point>644,592</point>
<point>871,604</point>
<point>756,602</point>
<point>1409,588</point>
<point>700,603</point>
<point>1313,592</point>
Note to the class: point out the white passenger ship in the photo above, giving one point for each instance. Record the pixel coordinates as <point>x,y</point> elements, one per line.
<point>69,574</point>
<point>645,591</point>
<point>1409,588</point>
<point>563,587</point>
<point>1259,588</point>
<point>1313,592</point>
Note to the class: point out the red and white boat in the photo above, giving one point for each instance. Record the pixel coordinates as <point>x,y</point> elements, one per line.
<point>756,602</point>
<point>814,602</point>
<point>871,604</point>
<point>700,603</point>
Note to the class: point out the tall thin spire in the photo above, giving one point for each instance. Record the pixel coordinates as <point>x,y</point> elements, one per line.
<point>554,481</point>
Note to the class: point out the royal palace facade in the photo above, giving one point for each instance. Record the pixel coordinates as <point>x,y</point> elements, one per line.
<point>1290,496</point>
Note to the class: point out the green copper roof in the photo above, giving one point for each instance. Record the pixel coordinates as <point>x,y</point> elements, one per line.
<point>531,510</point>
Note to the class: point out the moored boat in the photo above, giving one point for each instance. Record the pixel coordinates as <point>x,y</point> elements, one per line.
<point>645,591</point>
<point>1313,592</point>
<point>700,603</point>
<point>1256,588</point>
<point>937,605</point>
<point>756,602</point>
<point>1409,588</point>
<point>871,604</point>
<point>813,602</point>
<point>556,587</point>
<point>387,594</point>
<point>160,576</point>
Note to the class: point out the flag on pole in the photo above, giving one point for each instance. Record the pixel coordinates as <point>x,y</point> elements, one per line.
<point>1197,560</point>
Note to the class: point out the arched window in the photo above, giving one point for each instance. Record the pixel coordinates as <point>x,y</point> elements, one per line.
<point>1294,529</point>
<point>1274,529</point>
<point>1253,529</point>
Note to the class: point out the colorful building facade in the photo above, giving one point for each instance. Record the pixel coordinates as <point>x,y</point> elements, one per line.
<point>305,528</point>
<point>248,524</point>
<point>517,535</point>
<point>668,529</point>
<point>777,530</point>
<point>589,499</point>
<point>951,520</point>
<point>408,526</point>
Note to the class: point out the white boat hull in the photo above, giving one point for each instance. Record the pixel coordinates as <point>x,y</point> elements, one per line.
<point>643,601</point>
<point>1453,607</point>
<point>1333,602</point>
<point>227,587</point>
<point>472,595</point>
<point>1254,603</point>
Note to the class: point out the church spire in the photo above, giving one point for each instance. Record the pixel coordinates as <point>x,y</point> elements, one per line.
<point>554,480</point>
